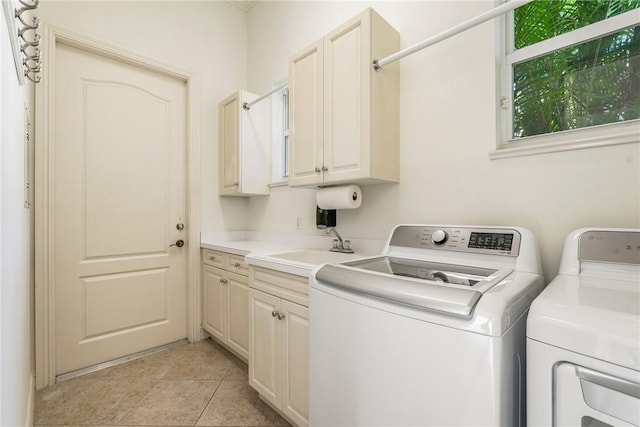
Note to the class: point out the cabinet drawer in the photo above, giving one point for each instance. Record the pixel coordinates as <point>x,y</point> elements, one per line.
<point>238,265</point>
<point>284,285</point>
<point>214,258</point>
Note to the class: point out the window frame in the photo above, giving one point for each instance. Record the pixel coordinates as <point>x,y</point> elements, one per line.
<point>573,139</point>
<point>284,96</point>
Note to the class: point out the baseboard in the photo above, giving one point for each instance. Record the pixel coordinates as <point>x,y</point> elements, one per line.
<point>32,400</point>
<point>203,334</point>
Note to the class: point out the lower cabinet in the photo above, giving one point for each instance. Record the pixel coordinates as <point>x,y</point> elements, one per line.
<point>279,345</point>
<point>225,312</point>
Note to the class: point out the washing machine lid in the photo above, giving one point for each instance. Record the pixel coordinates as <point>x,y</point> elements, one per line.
<point>591,315</point>
<point>451,289</point>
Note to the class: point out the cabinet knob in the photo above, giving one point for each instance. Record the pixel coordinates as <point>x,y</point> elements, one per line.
<point>317,170</point>
<point>212,258</point>
<point>221,280</point>
<point>277,314</point>
<point>236,183</point>
<point>236,265</point>
<point>324,168</point>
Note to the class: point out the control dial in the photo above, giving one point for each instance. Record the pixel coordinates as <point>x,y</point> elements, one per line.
<point>438,237</point>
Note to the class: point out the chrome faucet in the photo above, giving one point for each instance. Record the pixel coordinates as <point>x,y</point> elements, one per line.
<point>339,245</point>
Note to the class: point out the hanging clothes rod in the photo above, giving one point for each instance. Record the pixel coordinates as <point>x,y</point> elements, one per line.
<point>493,13</point>
<point>247,105</point>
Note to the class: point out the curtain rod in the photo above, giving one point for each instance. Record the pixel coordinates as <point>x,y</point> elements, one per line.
<point>247,105</point>
<point>493,13</point>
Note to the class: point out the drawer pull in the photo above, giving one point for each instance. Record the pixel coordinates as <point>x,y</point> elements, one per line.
<point>212,258</point>
<point>236,265</point>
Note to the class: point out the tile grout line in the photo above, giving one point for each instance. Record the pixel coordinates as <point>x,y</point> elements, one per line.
<point>210,399</point>
<point>164,378</point>
<point>153,386</point>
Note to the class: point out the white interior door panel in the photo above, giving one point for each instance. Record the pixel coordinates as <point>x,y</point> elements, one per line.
<point>119,190</point>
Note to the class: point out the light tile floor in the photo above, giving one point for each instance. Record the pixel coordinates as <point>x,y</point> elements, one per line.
<point>199,384</point>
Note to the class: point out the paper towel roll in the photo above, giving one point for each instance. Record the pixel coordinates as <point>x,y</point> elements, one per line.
<point>339,197</point>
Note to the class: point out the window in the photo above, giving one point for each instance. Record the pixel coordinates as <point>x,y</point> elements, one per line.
<point>571,73</point>
<point>280,135</point>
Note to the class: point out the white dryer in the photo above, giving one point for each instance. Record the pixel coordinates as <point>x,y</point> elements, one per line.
<point>583,335</point>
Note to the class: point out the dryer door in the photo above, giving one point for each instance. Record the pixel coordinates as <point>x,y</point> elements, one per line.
<point>588,398</point>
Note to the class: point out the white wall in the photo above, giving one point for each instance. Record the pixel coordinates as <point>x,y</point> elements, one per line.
<point>205,38</point>
<point>447,128</point>
<point>16,326</point>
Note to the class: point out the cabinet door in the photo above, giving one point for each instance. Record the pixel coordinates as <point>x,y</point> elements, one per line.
<point>214,291</point>
<point>229,144</point>
<point>305,116</point>
<point>295,362</point>
<point>238,314</point>
<point>347,68</point>
<point>265,346</point>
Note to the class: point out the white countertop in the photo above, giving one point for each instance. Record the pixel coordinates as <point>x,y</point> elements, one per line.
<point>244,247</point>
<point>300,266</point>
<point>257,248</point>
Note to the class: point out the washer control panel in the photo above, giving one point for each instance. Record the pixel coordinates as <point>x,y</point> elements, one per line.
<point>486,240</point>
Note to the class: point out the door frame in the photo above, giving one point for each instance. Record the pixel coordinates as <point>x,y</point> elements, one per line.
<point>44,309</point>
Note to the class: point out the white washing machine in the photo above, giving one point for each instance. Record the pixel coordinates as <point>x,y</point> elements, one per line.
<point>583,335</point>
<point>429,333</point>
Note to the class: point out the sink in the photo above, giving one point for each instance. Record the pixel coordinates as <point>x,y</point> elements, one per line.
<point>315,256</point>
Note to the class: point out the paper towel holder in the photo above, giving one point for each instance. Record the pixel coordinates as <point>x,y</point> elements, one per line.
<point>325,218</point>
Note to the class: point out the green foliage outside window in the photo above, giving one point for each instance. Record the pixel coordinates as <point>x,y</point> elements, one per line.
<point>593,83</point>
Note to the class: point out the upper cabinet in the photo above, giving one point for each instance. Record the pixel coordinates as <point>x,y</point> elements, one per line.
<point>244,144</point>
<point>344,115</point>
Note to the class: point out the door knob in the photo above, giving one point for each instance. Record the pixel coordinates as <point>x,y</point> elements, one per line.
<point>180,226</point>
<point>179,243</point>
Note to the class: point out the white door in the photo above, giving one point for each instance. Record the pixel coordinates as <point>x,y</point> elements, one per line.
<point>346,101</point>
<point>295,362</point>
<point>238,313</point>
<point>213,296</point>
<point>305,116</point>
<point>265,346</point>
<point>229,140</point>
<point>119,192</point>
